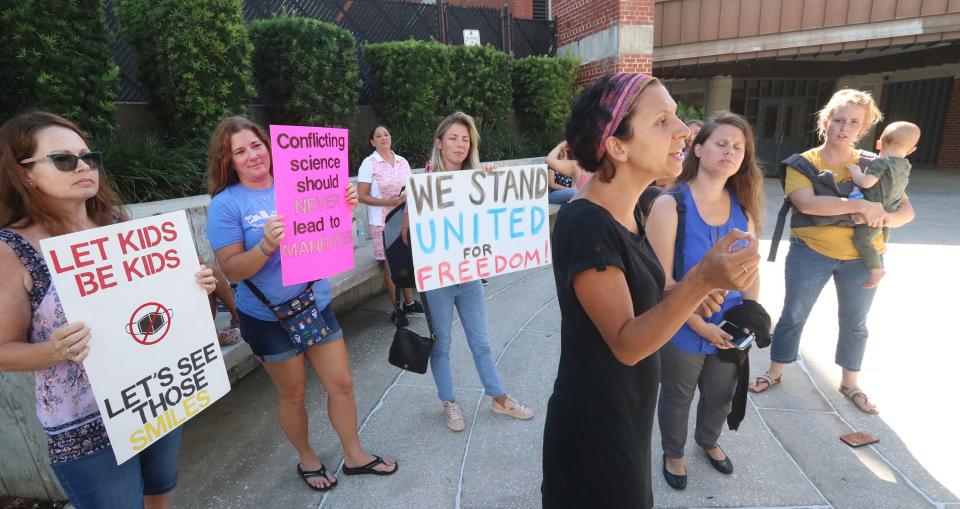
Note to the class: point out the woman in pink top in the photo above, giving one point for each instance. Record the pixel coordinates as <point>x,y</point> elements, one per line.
<point>558,161</point>
<point>380,182</point>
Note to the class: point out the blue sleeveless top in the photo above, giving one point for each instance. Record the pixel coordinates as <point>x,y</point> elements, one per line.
<point>700,237</point>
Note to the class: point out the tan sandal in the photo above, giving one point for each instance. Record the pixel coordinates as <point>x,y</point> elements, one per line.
<point>859,399</point>
<point>754,386</point>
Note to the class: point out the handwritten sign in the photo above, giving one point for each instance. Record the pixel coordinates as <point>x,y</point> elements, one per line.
<point>154,359</point>
<point>310,178</point>
<point>467,225</point>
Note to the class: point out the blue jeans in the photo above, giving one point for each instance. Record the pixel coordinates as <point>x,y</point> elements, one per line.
<point>557,196</point>
<point>807,271</point>
<point>97,481</point>
<point>471,305</point>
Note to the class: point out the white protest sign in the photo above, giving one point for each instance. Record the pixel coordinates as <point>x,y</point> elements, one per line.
<point>154,358</point>
<point>470,224</point>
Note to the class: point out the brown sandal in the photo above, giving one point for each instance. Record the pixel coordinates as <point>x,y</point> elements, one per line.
<point>754,386</point>
<point>859,399</point>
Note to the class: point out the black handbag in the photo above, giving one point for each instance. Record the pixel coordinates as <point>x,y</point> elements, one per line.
<point>411,351</point>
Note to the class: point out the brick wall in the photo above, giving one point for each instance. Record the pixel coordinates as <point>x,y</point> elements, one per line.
<point>622,63</point>
<point>577,19</point>
<point>949,155</point>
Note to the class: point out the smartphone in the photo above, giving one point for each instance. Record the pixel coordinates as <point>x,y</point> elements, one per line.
<point>741,339</point>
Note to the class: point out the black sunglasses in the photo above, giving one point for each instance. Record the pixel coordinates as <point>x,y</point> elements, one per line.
<point>65,161</point>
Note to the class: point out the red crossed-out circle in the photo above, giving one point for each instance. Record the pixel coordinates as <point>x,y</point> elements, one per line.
<point>159,308</point>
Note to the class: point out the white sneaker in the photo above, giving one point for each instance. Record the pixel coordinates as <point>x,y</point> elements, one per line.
<point>455,420</point>
<point>513,408</point>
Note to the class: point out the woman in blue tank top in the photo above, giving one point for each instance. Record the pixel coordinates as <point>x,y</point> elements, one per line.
<point>721,190</point>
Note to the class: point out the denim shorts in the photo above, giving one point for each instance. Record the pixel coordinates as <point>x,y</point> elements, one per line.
<point>270,342</point>
<point>96,480</point>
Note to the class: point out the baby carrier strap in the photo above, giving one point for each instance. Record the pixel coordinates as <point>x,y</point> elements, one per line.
<point>807,169</point>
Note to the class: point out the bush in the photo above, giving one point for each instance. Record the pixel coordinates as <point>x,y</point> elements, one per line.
<point>418,83</point>
<point>480,84</point>
<point>543,90</point>
<point>144,168</point>
<point>412,78</point>
<point>506,143</point>
<point>193,59</point>
<point>55,56</point>
<point>306,69</point>
<point>688,112</point>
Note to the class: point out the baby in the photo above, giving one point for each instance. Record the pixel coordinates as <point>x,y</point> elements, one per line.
<point>884,181</point>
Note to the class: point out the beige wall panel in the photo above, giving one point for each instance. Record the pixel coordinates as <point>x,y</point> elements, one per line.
<point>879,43</point>
<point>770,16</point>
<point>900,41</point>
<point>909,8</point>
<point>854,45</point>
<point>791,14</point>
<point>883,10</point>
<point>709,20</point>
<point>658,24</point>
<point>729,21</point>
<point>923,38</point>
<point>835,13</point>
<point>671,23</point>
<point>814,12</point>
<point>954,6</point>
<point>932,7</point>
<point>729,57</point>
<point>767,53</point>
<point>690,26</point>
<point>749,19</point>
<point>859,11</point>
<point>828,48</point>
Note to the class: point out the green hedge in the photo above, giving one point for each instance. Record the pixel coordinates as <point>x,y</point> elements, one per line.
<point>544,90</point>
<point>55,56</point>
<point>145,168</point>
<point>193,59</point>
<point>418,83</point>
<point>480,84</point>
<point>411,79</point>
<point>306,70</point>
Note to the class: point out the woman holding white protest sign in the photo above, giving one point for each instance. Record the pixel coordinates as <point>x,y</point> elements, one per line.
<point>380,182</point>
<point>49,186</point>
<point>245,234</point>
<point>456,147</point>
<point>610,287</point>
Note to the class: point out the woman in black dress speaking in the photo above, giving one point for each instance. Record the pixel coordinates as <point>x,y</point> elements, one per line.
<point>615,315</point>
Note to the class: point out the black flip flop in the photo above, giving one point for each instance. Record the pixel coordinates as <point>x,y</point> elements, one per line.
<point>320,472</point>
<point>368,468</point>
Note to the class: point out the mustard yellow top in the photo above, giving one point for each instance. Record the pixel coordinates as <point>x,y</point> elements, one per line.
<point>833,241</point>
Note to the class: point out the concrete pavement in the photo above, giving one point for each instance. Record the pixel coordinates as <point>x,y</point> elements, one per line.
<point>787,452</point>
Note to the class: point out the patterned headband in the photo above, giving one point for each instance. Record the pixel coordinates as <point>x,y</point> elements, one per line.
<point>624,88</point>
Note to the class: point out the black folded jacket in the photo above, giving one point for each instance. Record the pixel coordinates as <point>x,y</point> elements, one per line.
<point>749,314</point>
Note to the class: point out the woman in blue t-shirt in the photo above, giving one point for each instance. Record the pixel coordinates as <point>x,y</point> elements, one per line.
<point>245,231</point>
<point>721,186</point>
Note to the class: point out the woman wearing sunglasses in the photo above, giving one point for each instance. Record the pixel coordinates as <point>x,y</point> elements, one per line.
<point>49,186</point>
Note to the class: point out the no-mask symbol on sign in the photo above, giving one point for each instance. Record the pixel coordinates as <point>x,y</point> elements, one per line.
<point>149,323</point>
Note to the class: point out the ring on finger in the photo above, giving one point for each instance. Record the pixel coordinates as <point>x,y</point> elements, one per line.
<point>70,352</point>
<point>743,268</point>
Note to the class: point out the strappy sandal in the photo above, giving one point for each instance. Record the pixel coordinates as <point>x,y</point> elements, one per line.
<point>859,399</point>
<point>754,386</point>
<point>320,472</point>
<point>369,468</point>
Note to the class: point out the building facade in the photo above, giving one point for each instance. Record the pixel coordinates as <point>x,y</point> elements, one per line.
<point>777,61</point>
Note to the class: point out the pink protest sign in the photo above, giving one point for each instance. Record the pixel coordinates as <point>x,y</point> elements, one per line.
<point>310,176</point>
